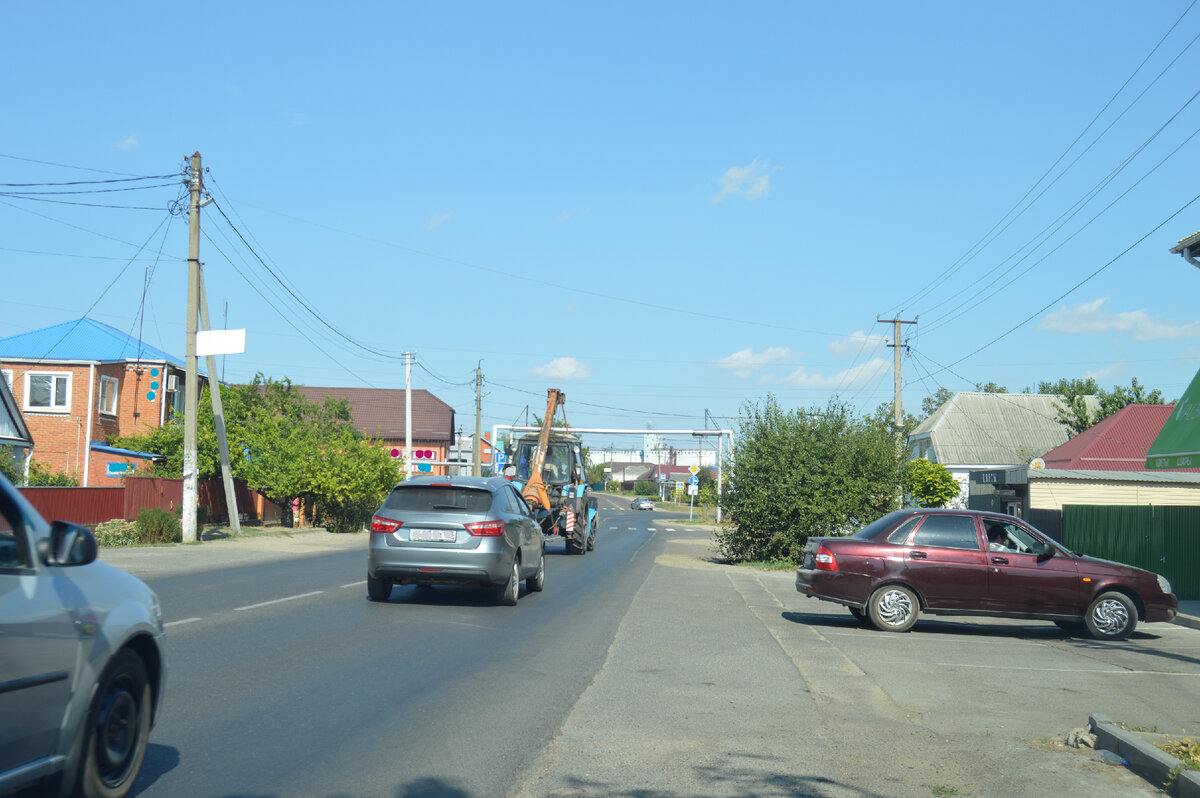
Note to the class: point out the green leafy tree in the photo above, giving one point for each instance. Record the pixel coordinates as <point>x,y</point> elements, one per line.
<point>990,387</point>
<point>930,404</point>
<point>931,484</point>
<point>796,474</point>
<point>1073,410</point>
<point>10,466</point>
<point>285,447</point>
<point>42,475</point>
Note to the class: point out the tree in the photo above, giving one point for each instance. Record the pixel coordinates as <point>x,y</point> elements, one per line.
<point>1073,410</point>
<point>931,484</point>
<point>796,474</point>
<point>10,465</point>
<point>930,404</point>
<point>990,387</point>
<point>285,447</point>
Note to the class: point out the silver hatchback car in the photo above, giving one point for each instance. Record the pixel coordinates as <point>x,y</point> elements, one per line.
<point>81,663</point>
<point>441,530</point>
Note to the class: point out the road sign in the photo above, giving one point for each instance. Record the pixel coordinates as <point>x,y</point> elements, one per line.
<point>499,457</point>
<point>678,486</point>
<point>693,489</point>
<point>695,470</point>
<point>662,477</point>
<point>694,481</point>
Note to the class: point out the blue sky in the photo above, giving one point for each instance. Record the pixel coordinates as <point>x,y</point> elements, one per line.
<point>661,208</point>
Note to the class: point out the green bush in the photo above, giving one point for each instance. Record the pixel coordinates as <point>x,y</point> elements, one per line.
<point>645,487</point>
<point>156,525</point>
<point>348,516</point>
<point>117,532</point>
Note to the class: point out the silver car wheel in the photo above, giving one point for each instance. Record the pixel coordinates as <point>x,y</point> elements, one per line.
<point>1110,616</point>
<point>893,608</point>
<point>508,593</point>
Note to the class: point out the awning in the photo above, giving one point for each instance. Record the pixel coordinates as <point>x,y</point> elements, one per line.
<point>1178,444</point>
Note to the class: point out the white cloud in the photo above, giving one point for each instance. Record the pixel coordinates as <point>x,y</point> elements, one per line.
<point>745,362</point>
<point>750,182</point>
<point>437,219</point>
<point>126,144</point>
<point>562,368</point>
<point>856,343</point>
<point>864,375</point>
<point>1091,317</point>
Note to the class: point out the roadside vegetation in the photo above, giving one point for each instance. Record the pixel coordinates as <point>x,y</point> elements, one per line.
<point>286,448</point>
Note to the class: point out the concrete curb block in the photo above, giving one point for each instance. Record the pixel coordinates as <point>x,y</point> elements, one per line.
<point>1187,620</point>
<point>1148,761</point>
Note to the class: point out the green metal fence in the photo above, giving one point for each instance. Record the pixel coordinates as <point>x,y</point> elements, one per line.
<point>1165,540</point>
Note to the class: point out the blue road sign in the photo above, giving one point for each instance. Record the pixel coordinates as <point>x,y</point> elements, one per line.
<point>694,481</point>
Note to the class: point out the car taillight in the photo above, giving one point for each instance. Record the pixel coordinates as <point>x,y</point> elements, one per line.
<point>385,525</point>
<point>485,529</point>
<point>824,560</point>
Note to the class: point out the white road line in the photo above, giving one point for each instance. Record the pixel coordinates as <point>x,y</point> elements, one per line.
<point>652,529</point>
<point>670,529</point>
<point>639,551</point>
<point>185,620</point>
<point>356,584</point>
<point>277,601</point>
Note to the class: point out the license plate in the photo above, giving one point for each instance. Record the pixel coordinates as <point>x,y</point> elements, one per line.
<point>433,535</point>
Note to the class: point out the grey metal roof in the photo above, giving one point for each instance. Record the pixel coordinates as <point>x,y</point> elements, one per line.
<point>1160,477</point>
<point>995,428</point>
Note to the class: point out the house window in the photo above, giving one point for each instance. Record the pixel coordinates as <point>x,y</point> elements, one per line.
<point>48,390</point>
<point>108,395</point>
<point>8,377</point>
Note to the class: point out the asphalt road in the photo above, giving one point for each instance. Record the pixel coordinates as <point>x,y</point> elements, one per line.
<point>286,681</point>
<point>644,670</point>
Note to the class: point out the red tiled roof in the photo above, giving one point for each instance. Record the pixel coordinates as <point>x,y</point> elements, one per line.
<point>379,412</point>
<point>1118,443</point>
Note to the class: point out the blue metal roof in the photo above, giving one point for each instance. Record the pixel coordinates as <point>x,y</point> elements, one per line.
<point>85,340</point>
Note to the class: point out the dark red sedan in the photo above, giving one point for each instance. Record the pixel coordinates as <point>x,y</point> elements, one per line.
<point>965,562</point>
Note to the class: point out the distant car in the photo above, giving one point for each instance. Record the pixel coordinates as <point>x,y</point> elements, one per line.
<point>440,530</point>
<point>81,669</point>
<point>962,562</point>
<point>642,503</point>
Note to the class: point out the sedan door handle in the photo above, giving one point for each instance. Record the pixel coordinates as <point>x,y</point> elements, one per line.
<point>919,555</point>
<point>999,561</point>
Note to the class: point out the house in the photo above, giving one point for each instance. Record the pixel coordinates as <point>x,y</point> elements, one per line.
<point>379,413</point>
<point>1103,465</point>
<point>15,441</point>
<point>81,383</point>
<point>990,431</point>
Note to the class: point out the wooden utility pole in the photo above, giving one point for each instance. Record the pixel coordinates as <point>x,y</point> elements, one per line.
<point>408,452</point>
<point>477,450</point>
<point>898,410</point>
<point>192,378</point>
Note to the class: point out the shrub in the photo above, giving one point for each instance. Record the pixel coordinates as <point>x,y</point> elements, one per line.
<point>348,516</point>
<point>117,532</point>
<point>645,487</point>
<point>156,525</point>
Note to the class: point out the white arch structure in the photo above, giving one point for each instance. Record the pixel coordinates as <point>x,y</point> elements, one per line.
<point>719,434</point>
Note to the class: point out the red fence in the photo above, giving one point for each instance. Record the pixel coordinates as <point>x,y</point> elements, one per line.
<point>94,505</point>
<point>77,505</point>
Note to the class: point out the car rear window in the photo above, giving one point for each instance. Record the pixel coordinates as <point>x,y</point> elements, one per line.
<point>948,532</point>
<point>433,498</point>
<point>873,529</point>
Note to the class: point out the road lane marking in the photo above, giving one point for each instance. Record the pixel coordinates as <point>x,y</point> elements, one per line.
<point>639,551</point>
<point>277,601</point>
<point>185,620</point>
<point>356,584</point>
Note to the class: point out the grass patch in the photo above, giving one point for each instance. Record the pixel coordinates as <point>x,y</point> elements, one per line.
<point>942,791</point>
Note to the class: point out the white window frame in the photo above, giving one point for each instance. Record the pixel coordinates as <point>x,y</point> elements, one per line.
<point>53,408</point>
<point>115,386</point>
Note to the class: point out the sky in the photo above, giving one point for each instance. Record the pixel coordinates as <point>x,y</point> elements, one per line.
<point>668,210</point>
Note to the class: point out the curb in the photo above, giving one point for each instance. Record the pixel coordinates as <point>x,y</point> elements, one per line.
<point>1148,761</point>
<point>1189,621</point>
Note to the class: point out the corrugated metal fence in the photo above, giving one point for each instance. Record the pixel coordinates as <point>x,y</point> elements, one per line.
<point>94,505</point>
<point>1165,540</point>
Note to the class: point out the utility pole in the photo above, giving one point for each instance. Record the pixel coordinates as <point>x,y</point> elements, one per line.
<point>190,392</point>
<point>408,452</point>
<point>477,450</point>
<point>898,411</point>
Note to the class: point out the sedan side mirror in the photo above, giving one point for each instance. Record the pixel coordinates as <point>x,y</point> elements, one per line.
<point>1047,552</point>
<point>68,544</point>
